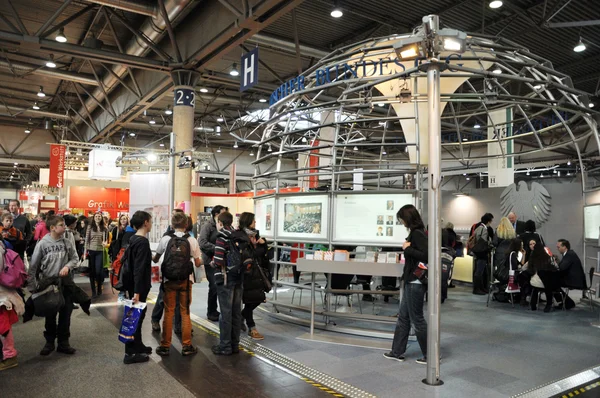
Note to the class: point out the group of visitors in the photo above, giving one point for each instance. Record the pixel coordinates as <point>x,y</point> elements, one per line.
<point>518,249</point>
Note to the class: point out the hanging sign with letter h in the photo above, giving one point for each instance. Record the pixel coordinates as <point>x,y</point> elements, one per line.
<point>249,77</point>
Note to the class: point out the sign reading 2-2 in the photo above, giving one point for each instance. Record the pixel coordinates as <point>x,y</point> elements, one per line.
<point>185,97</point>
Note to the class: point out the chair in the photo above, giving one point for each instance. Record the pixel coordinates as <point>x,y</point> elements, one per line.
<point>590,291</point>
<point>317,286</point>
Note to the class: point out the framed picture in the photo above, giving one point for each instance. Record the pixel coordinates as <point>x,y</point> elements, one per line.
<point>303,217</point>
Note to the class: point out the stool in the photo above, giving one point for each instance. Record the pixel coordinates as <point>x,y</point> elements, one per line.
<point>317,286</point>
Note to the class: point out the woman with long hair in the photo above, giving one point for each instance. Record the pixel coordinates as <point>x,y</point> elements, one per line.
<point>254,293</point>
<point>505,234</point>
<point>95,240</point>
<point>413,297</point>
<point>117,236</point>
<point>543,275</point>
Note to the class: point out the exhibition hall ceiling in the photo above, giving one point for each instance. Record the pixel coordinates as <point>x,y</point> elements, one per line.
<point>110,82</point>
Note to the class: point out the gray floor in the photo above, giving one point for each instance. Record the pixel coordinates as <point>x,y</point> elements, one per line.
<point>96,370</point>
<point>493,352</point>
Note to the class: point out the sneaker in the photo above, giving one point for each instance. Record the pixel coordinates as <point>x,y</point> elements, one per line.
<point>217,350</point>
<point>135,358</point>
<point>155,326</point>
<point>188,350</point>
<point>391,356</point>
<point>423,361</point>
<point>66,349</point>
<point>163,351</point>
<point>48,348</point>
<point>254,335</point>
<point>9,363</point>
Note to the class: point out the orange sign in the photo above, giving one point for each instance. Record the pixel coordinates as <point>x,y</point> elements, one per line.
<point>57,166</point>
<point>112,200</point>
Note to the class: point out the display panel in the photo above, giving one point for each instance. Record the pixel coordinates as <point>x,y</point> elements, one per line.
<point>303,217</point>
<point>591,220</point>
<point>263,213</point>
<point>144,195</point>
<point>370,218</point>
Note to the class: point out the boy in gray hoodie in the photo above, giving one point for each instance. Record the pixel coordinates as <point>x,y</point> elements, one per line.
<point>54,257</point>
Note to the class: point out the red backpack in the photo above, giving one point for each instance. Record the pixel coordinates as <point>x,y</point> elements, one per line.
<point>116,268</point>
<point>13,274</point>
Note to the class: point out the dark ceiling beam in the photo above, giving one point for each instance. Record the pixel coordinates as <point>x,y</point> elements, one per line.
<point>573,24</point>
<point>495,21</point>
<point>51,20</point>
<point>67,21</point>
<point>111,57</point>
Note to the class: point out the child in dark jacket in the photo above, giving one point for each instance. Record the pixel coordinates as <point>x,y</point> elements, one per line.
<point>12,235</point>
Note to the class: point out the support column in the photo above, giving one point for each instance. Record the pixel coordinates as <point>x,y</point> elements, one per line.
<point>184,102</point>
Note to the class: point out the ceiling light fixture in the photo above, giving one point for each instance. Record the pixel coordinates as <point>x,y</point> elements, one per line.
<point>27,130</point>
<point>132,134</point>
<point>270,149</point>
<point>528,172</point>
<point>568,163</point>
<point>218,130</point>
<point>591,105</point>
<point>262,100</point>
<point>219,150</point>
<point>355,148</point>
<point>465,139</point>
<point>496,4</point>
<point>161,144</point>
<point>41,93</point>
<point>336,12</point>
<point>60,37</point>
<point>168,111</point>
<point>579,47</point>
<point>220,120</point>
<point>476,126</point>
<point>152,121</point>
<point>152,157</point>
<point>497,70</point>
<point>233,71</point>
<point>252,152</point>
<point>204,90</point>
<point>235,145</point>
<point>35,106</point>
<point>383,152</point>
<point>50,63</point>
<point>381,104</point>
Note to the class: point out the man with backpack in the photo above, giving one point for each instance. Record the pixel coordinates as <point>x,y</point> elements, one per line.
<point>180,249</point>
<point>207,239</point>
<point>231,253</point>
<point>480,243</point>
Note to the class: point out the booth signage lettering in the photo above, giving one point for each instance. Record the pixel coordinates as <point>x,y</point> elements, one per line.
<point>345,71</point>
<point>107,204</point>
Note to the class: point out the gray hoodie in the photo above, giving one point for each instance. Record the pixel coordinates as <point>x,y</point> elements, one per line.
<point>50,256</point>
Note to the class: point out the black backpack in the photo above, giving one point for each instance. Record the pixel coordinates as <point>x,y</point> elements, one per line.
<point>238,251</point>
<point>177,264</point>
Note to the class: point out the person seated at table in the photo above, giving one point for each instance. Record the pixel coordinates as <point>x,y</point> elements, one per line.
<point>544,275</point>
<point>530,234</point>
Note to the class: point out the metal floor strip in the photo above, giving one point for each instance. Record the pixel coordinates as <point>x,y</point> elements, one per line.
<point>560,386</point>
<point>285,363</point>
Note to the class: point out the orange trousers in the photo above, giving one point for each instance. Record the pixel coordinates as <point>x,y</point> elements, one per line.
<point>174,291</point>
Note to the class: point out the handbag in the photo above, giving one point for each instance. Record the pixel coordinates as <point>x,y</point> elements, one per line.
<point>421,273</point>
<point>49,301</point>
<point>267,285</point>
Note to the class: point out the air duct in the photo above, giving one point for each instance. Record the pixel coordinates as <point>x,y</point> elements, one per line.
<point>131,6</point>
<point>53,73</point>
<point>153,28</point>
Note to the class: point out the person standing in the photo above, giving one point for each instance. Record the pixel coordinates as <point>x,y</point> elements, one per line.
<point>228,279</point>
<point>139,281</point>
<point>482,248</point>
<point>413,297</point>
<point>20,221</point>
<point>95,240</point>
<point>518,226</point>
<point>207,240</point>
<point>55,257</point>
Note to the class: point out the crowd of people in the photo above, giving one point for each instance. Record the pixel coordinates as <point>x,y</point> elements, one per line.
<point>57,245</point>
<point>518,250</point>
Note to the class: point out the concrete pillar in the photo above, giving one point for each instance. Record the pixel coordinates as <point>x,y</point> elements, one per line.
<point>183,127</point>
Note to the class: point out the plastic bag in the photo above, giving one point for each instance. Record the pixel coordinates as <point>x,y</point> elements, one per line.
<point>131,319</point>
<point>513,286</point>
<point>106,259</point>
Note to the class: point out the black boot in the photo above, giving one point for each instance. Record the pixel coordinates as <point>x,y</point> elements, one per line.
<point>100,288</point>
<point>477,286</point>
<point>93,284</point>
<point>535,296</point>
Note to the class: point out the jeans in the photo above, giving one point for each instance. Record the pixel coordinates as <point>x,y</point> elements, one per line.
<point>136,346</point>
<point>96,264</point>
<point>8,345</point>
<point>159,307</point>
<point>411,311</point>
<point>247,313</point>
<point>230,322</point>
<point>212,291</point>
<point>179,293</point>
<point>62,331</point>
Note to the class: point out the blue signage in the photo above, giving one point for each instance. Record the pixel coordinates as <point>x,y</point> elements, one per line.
<point>343,71</point>
<point>184,97</point>
<point>249,63</point>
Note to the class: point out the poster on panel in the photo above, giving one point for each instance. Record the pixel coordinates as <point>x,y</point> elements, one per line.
<point>303,217</point>
<point>149,192</point>
<point>370,218</point>
<point>263,213</point>
<point>591,220</point>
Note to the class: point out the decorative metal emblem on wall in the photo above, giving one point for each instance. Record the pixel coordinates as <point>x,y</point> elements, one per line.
<point>529,202</point>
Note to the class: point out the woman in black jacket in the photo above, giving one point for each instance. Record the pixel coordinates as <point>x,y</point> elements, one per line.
<point>254,288</point>
<point>413,297</point>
